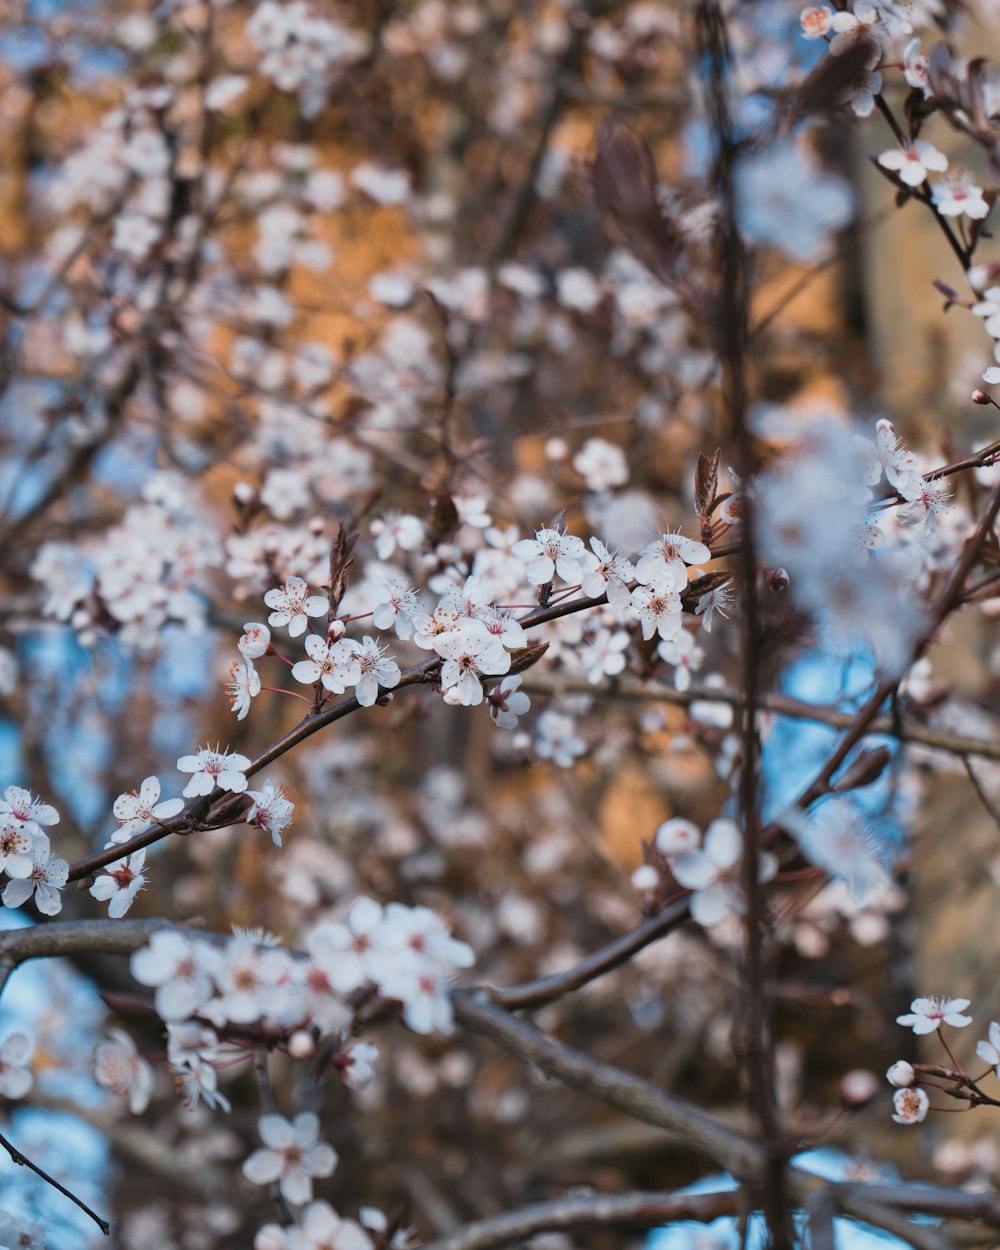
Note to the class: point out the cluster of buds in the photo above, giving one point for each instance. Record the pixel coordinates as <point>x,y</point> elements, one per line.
<point>910,1101</point>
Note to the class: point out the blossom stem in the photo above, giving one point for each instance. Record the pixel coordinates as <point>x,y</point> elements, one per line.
<point>958,1067</point>
<point>293,693</point>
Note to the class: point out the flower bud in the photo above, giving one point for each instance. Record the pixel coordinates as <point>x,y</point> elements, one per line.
<point>777,579</point>
<point>301,1045</point>
<point>336,630</point>
<point>645,878</point>
<point>858,1087</point>
<point>244,494</point>
<point>901,1074</point>
<point>980,397</point>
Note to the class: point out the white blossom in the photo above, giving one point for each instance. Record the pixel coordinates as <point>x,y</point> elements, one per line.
<point>209,769</point>
<point>119,1068</point>
<point>928,1014</point>
<point>292,1155</point>
<point>120,882</point>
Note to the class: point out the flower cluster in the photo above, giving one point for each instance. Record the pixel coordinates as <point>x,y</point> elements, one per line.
<point>25,853</point>
<point>303,49</point>
<point>708,867</point>
<point>405,954</point>
<point>927,1015</point>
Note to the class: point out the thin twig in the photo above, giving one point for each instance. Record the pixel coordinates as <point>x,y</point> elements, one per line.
<point>984,798</point>
<point>23,1161</point>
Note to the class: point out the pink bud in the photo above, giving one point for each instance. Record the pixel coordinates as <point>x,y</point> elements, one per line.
<point>301,1045</point>
<point>858,1087</point>
<point>901,1074</point>
<point>980,397</point>
<point>336,630</point>
<point>777,579</point>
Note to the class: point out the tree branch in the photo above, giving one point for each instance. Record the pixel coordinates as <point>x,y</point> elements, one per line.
<point>638,1210</point>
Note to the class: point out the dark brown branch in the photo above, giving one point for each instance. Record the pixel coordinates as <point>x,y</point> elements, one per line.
<point>23,1161</point>
<point>562,1214</point>
<point>545,990</point>
<point>782,705</point>
<point>631,1094</point>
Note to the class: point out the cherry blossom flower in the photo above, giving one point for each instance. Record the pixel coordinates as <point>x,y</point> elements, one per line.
<point>15,848</point>
<point>659,611</point>
<point>601,464</point>
<point>557,740</point>
<point>902,1075</point>
<point>507,702</point>
<point>242,686</point>
<point>394,530</point>
<point>428,628</point>
<point>245,976</point>
<point>423,934</point>
<point>356,1065</point>
<point>181,970</point>
<point>423,991</point>
<point>199,1082</point>
<point>272,810</point>
<point>321,1228</point>
<point>292,606</point>
<point>860,94</point>
<point>676,836</point>
<point>662,562</point>
<point>684,653</point>
<point>377,670</point>
<point>468,653</point>
<point>915,65</point>
<point>862,27</point>
<point>120,1068</point>
<point>353,952</point>
<point>396,604</point>
<point>836,837</point>
<point>911,1106</point>
<point>816,22</point>
<point>15,1078</point>
<point>989,309</point>
<point>719,600</point>
<point>22,1234</point>
<point>20,808</point>
<point>192,1052</point>
<point>604,655</point>
<point>931,499</point>
<point>137,811</point>
<point>551,551</point>
<point>711,872</point>
<point>958,194</point>
<point>886,454</point>
<point>292,1155</point>
<point>913,163</point>
<point>335,664</point>
<point>210,768</point>
<point>788,201</point>
<point>504,626</point>
<point>120,883</point>
<point>606,573</point>
<point>47,877</point>
<point>989,1051</point>
<point>927,1014</point>
<point>255,640</point>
